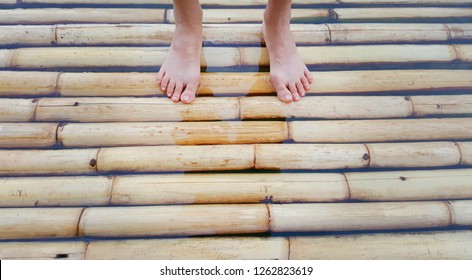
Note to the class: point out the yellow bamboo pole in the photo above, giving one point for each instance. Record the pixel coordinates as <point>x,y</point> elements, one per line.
<point>120,34</point>
<point>108,84</point>
<point>381,130</point>
<point>352,55</point>
<point>466,152</point>
<point>21,223</point>
<point>29,162</point>
<point>27,35</point>
<point>17,110</point>
<point>327,107</point>
<point>222,248</point>
<point>410,185</point>
<point>357,216</point>
<point>348,33</point>
<point>167,133</point>
<point>75,15</point>
<point>142,84</point>
<point>122,109</point>
<point>249,2</point>
<point>174,220</point>
<point>401,14</point>
<point>399,246</point>
<point>225,188</point>
<point>27,83</point>
<point>176,158</point>
<point>97,57</point>
<point>27,135</point>
<point>311,156</point>
<point>254,15</point>
<point>441,104</point>
<point>420,154</point>
<point>461,212</point>
<point>42,250</point>
<point>55,191</point>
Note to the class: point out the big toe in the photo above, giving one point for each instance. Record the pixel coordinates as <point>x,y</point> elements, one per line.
<point>285,95</point>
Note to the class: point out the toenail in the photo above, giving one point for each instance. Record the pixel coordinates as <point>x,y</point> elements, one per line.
<point>185,98</point>
<point>287,97</point>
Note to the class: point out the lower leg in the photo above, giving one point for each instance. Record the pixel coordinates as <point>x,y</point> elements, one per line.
<point>288,74</point>
<point>179,75</point>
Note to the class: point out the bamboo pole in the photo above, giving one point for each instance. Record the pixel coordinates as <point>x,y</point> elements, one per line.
<point>327,107</point>
<point>76,15</point>
<point>124,109</point>
<point>7,2</point>
<point>399,246</point>
<point>466,152</point>
<point>142,84</point>
<point>32,162</point>
<point>169,133</point>
<point>174,220</point>
<point>402,14</point>
<point>253,2</point>
<point>96,57</point>
<point>42,250</point>
<point>225,188</point>
<point>349,33</point>
<point>420,154</point>
<point>108,84</point>
<point>27,135</point>
<point>410,185</point>
<point>42,35</point>
<point>311,156</point>
<point>17,110</point>
<point>222,248</point>
<point>176,158</point>
<point>464,53</point>
<point>22,223</point>
<point>361,54</point>
<point>357,216</point>
<point>27,83</point>
<point>6,58</point>
<point>254,15</point>
<point>55,191</point>
<point>441,104</point>
<point>380,130</point>
<point>119,34</point>
<point>461,31</point>
<point>461,212</point>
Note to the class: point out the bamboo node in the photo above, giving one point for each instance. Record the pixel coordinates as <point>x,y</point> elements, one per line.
<point>93,163</point>
<point>366,156</point>
<point>407,98</point>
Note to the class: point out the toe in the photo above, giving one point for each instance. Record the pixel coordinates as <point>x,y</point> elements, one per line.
<point>294,91</point>
<point>305,83</point>
<point>165,83</point>
<point>170,88</point>
<point>285,95</point>
<point>300,89</point>
<point>188,96</point>
<point>160,75</point>
<point>179,87</point>
<point>308,76</point>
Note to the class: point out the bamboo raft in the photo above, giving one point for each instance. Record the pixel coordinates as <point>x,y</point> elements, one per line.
<point>374,163</point>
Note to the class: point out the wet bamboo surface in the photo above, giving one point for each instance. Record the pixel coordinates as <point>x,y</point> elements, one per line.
<point>91,149</point>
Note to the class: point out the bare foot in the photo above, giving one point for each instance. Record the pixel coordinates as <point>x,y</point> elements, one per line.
<point>179,76</point>
<point>289,75</point>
